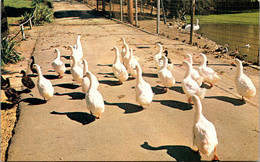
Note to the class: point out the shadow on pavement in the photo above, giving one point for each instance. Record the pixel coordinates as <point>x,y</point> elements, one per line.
<point>34,101</point>
<point>51,76</point>
<point>81,117</point>
<point>178,152</point>
<point>67,85</point>
<point>175,104</point>
<point>128,107</point>
<point>110,82</point>
<point>234,101</point>
<point>158,90</point>
<point>177,89</point>
<point>76,13</point>
<point>73,95</point>
<point>6,106</point>
<point>151,75</point>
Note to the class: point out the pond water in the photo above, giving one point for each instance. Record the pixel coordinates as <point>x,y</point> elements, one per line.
<point>235,35</point>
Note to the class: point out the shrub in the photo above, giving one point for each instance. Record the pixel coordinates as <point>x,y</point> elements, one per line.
<point>8,52</point>
<point>25,17</point>
<point>43,14</point>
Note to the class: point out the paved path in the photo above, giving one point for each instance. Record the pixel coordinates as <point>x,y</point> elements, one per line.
<point>62,128</point>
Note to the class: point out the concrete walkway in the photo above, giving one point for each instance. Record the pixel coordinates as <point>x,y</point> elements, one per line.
<point>63,129</point>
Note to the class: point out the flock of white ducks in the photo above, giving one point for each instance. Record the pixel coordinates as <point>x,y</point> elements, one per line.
<point>204,133</point>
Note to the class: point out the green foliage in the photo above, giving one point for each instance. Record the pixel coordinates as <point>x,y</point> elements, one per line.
<point>44,11</point>
<point>43,14</point>
<point>8,52</point>
<point>236,18</point>
<point>25,17</point>
<point>46,2</point>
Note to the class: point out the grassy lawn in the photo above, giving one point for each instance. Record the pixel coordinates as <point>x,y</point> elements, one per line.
<point>16,8</point>
<point>236,18</point>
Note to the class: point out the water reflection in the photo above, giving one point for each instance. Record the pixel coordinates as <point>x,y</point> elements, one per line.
<point>235,35</point>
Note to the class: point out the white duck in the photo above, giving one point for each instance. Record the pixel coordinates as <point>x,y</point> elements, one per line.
<point>58,65</point>
<point>204,132</point>
<point>143,90</point>
<point>194,73</point>
<point>85,80</point>
<point>118,68</point>
<point>76,71</point>
<point>132,63</point>
<point>190,86</point>
<point>208,74</point>
<point>125,54</point>
<point>125,48</point>
<point>79,48</point>
<point>45,87</point>
<point>243,83</point>
<point>74,53</point>
<point>165,75</point>
<point>94,100</point>
<point>157,57</point>
<point>195,26</point>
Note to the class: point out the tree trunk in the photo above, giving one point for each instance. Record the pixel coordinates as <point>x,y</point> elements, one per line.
<point>4,23</point>
<point>130,11</point>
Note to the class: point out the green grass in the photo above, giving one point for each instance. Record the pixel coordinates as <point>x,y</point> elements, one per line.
<point>18,3</point>
<point>234,18</point>
<point>16,6</point>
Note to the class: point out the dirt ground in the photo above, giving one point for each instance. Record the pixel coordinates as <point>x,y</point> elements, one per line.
<point>41,43</point>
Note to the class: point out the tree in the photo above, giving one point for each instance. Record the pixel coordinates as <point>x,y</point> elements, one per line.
<point>4,23</point>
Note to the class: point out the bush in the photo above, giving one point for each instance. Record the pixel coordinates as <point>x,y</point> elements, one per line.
<point>25,17</point>
<point>43,14</point>
<point>46,2</point>
<point>8,52</point>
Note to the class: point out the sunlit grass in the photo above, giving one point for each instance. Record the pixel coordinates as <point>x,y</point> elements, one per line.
<point>236,18</point>
<point>17,4</point>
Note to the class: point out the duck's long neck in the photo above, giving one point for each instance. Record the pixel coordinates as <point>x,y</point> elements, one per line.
<point>160,50</point>
<point>91,88</point>
<point>58,55</point>
<point>78,42</point>
<point>190,59</point>
<point>38,69</point>
<point>85,69</point>
<point>165,63</point>
<point>73,62</point>
<point>126,48</point>
<point>188,72</point>
<point>197,22</point>
<point>198,111</point>
<point>117,59</point>
<point>131,54</point>
<point>239,69</point>
<point>139,78</point>
<point>204,61</point>
<point>72,50</point>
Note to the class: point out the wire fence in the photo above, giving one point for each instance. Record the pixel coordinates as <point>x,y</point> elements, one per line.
<point>237,30</point>
<point>21,28</point>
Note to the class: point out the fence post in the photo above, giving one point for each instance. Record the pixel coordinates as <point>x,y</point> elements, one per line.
<point>110,8</point>
<point>121,10</point>
<point>158,15</point>
<point>258,56</point>
<point>23,34</point>
<point>97,5</point>
<point>141,7</point>
<point>130,11</point>
<point>164,17</point>
<point>103,7</point>
<point>192,2</point>
<point>136,14</point>
<point>30,23</point>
